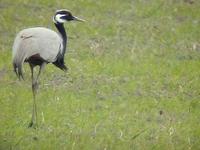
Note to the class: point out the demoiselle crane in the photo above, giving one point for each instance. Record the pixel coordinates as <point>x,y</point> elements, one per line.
<point>39,46</point>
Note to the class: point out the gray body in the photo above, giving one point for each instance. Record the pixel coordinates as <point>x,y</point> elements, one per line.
<point>36,41</point>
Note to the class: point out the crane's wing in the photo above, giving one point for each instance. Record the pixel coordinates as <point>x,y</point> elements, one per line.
<point>42,41</point>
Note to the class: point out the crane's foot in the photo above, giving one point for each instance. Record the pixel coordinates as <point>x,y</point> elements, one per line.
<point>32,125</point>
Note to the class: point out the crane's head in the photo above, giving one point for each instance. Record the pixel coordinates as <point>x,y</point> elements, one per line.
<point>64,15</point>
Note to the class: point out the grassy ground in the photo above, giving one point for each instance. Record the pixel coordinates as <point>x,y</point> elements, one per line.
<point>133,79</point>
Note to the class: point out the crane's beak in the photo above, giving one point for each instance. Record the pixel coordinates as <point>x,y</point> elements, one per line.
<point>78,19</point>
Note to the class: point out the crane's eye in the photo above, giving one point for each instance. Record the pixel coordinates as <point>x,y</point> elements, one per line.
<point>66,14</point>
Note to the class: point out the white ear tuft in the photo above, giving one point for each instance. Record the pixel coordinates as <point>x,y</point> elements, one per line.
<point>58,18</point>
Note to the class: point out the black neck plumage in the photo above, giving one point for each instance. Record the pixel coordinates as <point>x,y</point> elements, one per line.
<point>60,58</point>
<point>63,34</point>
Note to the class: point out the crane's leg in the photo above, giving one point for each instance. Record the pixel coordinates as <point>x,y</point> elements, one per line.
<point>34,94</point>
<point>35,86</point>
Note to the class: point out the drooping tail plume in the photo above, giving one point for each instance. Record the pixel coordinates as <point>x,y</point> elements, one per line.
<point>19,55</point>
<point>18,69</point>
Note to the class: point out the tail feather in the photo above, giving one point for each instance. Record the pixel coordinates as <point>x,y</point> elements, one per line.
<point>18,70</point>
<point>18,61</point>
<point>19,56</point>
<point>15,69</point>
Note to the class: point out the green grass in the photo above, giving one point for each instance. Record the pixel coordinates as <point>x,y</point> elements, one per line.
<point>133,79</point>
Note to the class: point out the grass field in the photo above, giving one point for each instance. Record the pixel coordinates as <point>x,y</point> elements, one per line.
<point>133,80</point>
